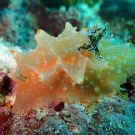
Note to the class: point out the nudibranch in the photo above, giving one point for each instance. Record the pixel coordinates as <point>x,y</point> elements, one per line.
<point>56,71</point>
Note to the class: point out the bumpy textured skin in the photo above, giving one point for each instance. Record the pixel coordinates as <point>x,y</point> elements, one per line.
<point>56,71</point>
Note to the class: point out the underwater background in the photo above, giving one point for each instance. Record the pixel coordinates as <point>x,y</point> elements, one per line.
<point>19,21</point>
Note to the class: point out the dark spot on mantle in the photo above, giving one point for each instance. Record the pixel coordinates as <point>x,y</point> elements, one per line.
<point>59,107</point>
